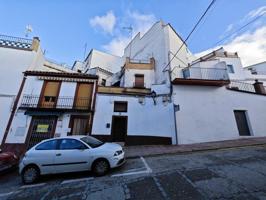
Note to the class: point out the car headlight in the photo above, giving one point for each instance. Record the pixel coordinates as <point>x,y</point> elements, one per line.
<point>117,153</point>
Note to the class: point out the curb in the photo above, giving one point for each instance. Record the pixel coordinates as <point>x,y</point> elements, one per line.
<point>193,150</point>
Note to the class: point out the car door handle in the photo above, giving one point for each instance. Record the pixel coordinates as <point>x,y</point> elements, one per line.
<point>58,154</point>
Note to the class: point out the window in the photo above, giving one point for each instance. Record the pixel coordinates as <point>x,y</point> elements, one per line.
<point>230,69</point>
<point>50,93</point>
<point>92,142</point>
<point>103,82</point>
<point>120,106</point>
<point>68,144</point>
<point>49,145</point>
<point>49,99</point>
<point>139,81</point>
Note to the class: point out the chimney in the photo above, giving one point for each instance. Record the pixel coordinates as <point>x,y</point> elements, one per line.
<point>35,44</point>
<point>259,88</point>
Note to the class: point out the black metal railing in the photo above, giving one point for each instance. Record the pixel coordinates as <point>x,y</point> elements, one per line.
<point>241,86</point>
<point>34,101</point>
<point>203,73</point>
<point>15,39</point>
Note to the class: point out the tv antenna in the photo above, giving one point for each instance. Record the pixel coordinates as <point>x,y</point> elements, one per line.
<point>28,30</point>
<point>130,29</point>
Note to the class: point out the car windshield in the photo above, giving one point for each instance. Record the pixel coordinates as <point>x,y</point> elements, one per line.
<point>92,142</point>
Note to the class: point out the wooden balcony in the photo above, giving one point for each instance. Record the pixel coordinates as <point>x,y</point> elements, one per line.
<point>201,76</point>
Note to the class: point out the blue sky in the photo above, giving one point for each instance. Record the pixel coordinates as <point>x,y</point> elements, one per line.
<point>64,26</point>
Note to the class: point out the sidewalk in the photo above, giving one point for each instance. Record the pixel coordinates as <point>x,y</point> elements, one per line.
<point>152,150</point>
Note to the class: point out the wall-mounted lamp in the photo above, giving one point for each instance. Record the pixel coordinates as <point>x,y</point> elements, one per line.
<point>153,95</point>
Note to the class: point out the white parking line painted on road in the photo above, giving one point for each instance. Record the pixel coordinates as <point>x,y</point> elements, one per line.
<point>77,180</point>
<point>131,172</point>
<point>146,164</point>
<point>136,169</point>
<point>6,194</point>
<point>31,186</point>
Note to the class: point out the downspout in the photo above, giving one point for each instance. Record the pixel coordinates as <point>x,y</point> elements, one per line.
<point>95,89</point>
<point>13,111</point>
<point>176,138</point>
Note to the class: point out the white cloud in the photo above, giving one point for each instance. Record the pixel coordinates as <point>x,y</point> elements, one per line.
<point>139,22</point>
<point>116,45</point>
<point>251,46</point>
<point>257,12</point>
<point>106,22</point>
<point>229,27</point>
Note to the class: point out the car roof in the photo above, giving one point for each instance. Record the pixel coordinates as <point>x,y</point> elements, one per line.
<point>68,137</point>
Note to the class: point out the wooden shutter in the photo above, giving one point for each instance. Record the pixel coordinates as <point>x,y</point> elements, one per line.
<point>50,94</point>
<point>83,95</point>
<point>139,80</point>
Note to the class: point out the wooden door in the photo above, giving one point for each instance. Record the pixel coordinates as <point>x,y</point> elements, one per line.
<point>83,96</point>
<point>242,124</point>
<point>119,128</point>
<point>139,80</point>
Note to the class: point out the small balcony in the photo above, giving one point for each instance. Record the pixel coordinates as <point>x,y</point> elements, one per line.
<point>201,76</point>
<point>255,88</point>
<point>34,102</point>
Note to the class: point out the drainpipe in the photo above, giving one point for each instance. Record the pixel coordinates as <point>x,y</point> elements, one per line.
<point>13,111</point>
<point>175,109</point>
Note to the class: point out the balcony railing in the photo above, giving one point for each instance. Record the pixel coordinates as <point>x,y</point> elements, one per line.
<point>241,86</point>
<point>204,73</point>
<point>47,102</point>
<point>15,39</point>
<point>200,76</point>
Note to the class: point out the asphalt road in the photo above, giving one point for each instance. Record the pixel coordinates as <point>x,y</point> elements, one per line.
<point>223,174</point>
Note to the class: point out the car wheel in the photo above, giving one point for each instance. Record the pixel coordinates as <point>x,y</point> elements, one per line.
<point>100,167</point>
<point>30,174</point>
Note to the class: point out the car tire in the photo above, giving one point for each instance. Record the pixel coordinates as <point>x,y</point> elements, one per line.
<point>100,167</point>
<point>30,174</point>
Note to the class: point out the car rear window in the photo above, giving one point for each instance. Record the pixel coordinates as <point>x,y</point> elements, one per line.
<point>92,142</point>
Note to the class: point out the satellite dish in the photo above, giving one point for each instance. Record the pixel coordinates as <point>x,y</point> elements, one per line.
<point>28,30</point>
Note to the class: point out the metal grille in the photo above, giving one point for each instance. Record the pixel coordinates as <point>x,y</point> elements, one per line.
<point>33,101</point>
<point>41,129</point>
<point>15,42</point>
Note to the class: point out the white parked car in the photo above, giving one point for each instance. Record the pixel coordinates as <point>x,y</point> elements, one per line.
<point>70,154</point>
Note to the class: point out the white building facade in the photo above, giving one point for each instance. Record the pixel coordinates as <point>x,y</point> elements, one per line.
<point>50,104</point>
<point>211,98</point>
<point>150,95</point>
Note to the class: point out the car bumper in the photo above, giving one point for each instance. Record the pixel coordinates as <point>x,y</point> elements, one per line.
<point>117,161</point>
<point>21,166</point>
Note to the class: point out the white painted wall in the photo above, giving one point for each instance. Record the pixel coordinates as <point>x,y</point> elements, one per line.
<point>106,61</point>
<point>19,128</point>
<point>206,113</point>
<point>33,86</point>
<point>152,44</point>
<point>5,108</point>
<point>67,89</point>
<point>129,77</point>
<point>143,120</point>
